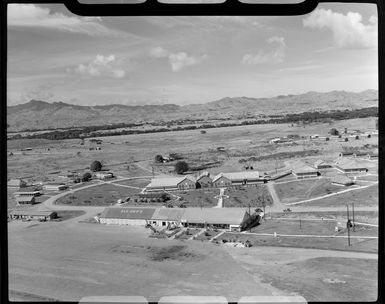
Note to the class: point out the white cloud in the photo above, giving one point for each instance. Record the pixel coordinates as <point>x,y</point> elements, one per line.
<point>276,55</point>
<point>159,52</point>
<point>106,66</point>
<point>178,61</point>
<point>348,30</point>
<point>181,60</point>
<point>31,15</point>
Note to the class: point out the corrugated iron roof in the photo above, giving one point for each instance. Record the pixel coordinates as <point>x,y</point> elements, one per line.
<point>168,214</point>
<point>31,212</point>
<point>235,176</point>
<point>232,216</point>
<point>128,213</point>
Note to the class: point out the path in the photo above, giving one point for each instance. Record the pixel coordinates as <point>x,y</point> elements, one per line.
<point>312,235</point>
<point>329,195</point>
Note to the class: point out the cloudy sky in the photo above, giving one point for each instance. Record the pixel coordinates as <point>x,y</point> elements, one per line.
<point>54,55</point>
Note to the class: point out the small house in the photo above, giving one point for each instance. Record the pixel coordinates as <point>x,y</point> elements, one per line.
<point>103,175</point>
<point>302,171</point>
<point>204,180</point>
<point>320,164</point>
<point>55,187</point>
<point>17,183</point>
<point>171,184</point>
<point>25,200</point>
<point>32,215</point>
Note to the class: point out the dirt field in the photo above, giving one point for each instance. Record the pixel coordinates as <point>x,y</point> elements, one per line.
<point>317,275</point>
<point>116,260</point>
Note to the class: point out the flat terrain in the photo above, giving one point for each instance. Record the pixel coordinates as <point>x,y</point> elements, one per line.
<point>298,190</point>
<point>98,260</point>
<point>102,195</point>
<point>317,275</point>
<point>363,197</point>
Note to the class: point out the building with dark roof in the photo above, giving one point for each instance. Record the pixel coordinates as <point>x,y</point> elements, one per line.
<point>32,215</point>
<point>171,183</point>
<point>204,180</point>
<point>225,218</point>
<point>350,166</point>
<point>25,200</point>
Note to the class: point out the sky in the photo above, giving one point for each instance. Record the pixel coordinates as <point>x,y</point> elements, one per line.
<point>54,55</point>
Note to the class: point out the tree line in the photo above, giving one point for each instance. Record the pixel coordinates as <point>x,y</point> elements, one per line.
<point>305,117</point>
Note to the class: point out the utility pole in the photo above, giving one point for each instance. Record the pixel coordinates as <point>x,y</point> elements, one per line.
<point>249,217</point>
<point>300,223</point>
<point>348,223</point>
<point>354,223</point>
<point>152,172</point>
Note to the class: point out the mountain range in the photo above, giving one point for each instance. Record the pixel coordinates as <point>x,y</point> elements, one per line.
<point>37,114</point>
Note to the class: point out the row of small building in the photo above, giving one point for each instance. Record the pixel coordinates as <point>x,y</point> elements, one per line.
<point>221,218</point>
<point>300,171</point>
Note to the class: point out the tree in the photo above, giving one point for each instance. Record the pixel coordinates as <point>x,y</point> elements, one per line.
<point>181,167</point>
<point>86,177</point>
<point>334,131</point>
<point>159,158</point>
<point>96,166</point>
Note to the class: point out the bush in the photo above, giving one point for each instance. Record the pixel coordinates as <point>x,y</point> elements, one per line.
<point>181,167</point>
<point>96,166</point>
<point>86,177</point>
<point>159,158</point>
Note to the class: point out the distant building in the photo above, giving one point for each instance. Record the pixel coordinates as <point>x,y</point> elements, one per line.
<point>346,154</point>
<point>29,193</point>
<point>32,215</point>
<point>360,154</point>
<point>320,164</point>
<point>204,180</point>
<point>17,183</point>
<point>55,187</point>
<point>237,178</point>
<point>372,155</point>
<point>103,175</point>
<point>171,184</point>
<point>224,218</point>
<point>25,200</point>
<point>350,166</point>
<point>302,171</point>
<point>342,180</point>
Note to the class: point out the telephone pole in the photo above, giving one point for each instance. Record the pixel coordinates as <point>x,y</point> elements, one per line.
<point>354,223</point>
<point>348,223</point>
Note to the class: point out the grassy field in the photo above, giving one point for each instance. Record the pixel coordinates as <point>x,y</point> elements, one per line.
<point>359,245</point>
<point>298,190</point>
<point>317,275</point>
<point>101,195</point>
<point>238,197</point>
<point>141,183</point>
<point>363,197</point>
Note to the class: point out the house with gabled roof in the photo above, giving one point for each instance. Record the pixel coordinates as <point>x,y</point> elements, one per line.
<point>237,178</point>
<point>302,170</point>
<point>321,164</point>
<point>171,184</point>
<point>204,180</point>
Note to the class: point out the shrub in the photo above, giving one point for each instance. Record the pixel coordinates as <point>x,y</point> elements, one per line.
<point>96,166</point>
<point>181,167</point>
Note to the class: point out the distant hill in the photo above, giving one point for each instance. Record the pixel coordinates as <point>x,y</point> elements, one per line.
<point>37,114</point>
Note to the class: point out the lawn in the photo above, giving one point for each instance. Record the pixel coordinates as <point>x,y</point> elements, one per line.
<point>361,245</point>
<point>239,196</point>
<point>140,182</point>
<point>367,197</point>
<point>187,234</point>
<point>305,189</point>
<point>101,195</point>
<point>208,235</point>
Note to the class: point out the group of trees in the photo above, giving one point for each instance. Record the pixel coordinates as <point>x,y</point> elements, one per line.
<point>86,132</point>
